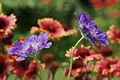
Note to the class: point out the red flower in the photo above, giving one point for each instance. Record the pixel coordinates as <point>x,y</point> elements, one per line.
<point>47,58</point>
<point>3,67</point>
<point>106,52</point>
<point>53,27</point>
<point>100,4</point>
<point>82,78</point>
<point>97,4</point>
<point>108,67</point>
<point>32,71</point>
<point>7,40</point>
<point>68,31</point>
<point>115,14</point>
<point>94,57</point>
<point>46,1</point>
<point>7,23</point>
<point>53,66</point>
<point>79,53</point>
<point>19,68</point>
<point>78,68</point>
<point>114,34</point>
<point>110,3</point>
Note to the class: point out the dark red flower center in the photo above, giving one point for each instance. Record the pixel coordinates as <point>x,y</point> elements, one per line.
<point>3,23</point>
<point>33,71</point>
<point>83,52</point>
<point>50,28</point>
<point>2,68</point>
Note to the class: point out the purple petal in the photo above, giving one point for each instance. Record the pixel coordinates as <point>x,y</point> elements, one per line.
<point>90,38</point>
<point>11,51</point>
<point>48,44</point>
<point>104,42</point>
<point>17,43</point>
<point>21,58</point>
<point>43,37</point>
<point>30,51</point>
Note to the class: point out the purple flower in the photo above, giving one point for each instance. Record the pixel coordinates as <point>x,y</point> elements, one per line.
<point>31,45</point>
<point>91,30</point>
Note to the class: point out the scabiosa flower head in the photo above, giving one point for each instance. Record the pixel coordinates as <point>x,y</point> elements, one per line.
<point>114,34</point>
<point>7,23</point>
<point>91,31</point>
<point>30,46</point>
<point>51,26</point>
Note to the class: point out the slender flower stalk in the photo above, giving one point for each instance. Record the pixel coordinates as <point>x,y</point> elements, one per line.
<point>71,59</point>
<point>38,65</point>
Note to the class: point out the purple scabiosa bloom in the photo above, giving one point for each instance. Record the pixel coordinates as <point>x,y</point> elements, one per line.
<point>91,30</point>
<point>31,45</point>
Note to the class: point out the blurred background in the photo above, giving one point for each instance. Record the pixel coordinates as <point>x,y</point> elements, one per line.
<point>104,12</point>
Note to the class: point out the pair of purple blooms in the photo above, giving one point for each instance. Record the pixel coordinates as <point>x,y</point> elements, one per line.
<point>34,44</point>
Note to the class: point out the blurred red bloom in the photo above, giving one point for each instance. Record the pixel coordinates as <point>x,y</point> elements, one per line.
<point>46,1</point>
<point>83,78</point>
<point>114,34</point>
<point>115,14</point>
<point>97,4</point>
<point>7,40</point>
<point>7,23</point>
<point>32,71</point>
<point>53,27</point>
<point>68,31</point>
<point>79,53</point>
<point>3,67</point>
<point>106,52</point>
<point>110,3</point>
<point>92,58</point>
<point>108,67</point>
<point>47,58</point>
<point>78,69</point>
<point>100,4</point>
<point>19,68</point>
<point>53,66</point>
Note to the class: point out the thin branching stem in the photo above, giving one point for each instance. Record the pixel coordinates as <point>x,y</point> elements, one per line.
<point>71,59</point>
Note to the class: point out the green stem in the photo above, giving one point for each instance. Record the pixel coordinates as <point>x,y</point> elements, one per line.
<point>71,59</point>
<point>38,66</point>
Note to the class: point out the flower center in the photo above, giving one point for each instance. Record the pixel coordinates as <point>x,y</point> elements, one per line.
<point>50,29</point>
<point>2,68</point>
<point>3,23</point>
